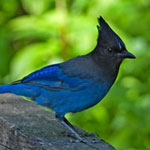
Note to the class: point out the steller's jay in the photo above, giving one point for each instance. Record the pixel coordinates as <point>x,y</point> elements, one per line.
<point>78,83</point>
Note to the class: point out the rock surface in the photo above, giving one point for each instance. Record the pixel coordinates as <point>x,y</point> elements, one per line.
<point>27,126</point>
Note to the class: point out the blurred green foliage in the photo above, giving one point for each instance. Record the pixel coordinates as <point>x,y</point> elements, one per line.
<point>35,33</point>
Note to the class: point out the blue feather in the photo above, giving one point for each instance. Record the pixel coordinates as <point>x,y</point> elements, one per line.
<point>49,72</point>
<point>21,89</point>
<point>63,93</point>
<point>78,83</point>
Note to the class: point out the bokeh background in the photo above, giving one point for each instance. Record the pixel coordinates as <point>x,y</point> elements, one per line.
<point>35,33</point>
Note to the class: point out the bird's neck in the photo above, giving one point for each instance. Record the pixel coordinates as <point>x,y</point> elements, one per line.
<point>109,67</point>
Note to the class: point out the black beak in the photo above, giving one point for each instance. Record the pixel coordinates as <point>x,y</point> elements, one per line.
<point>126,54</point>
<point>129,55</point>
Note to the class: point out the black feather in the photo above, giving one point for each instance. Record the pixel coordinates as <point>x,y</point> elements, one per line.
<point>107,37</point>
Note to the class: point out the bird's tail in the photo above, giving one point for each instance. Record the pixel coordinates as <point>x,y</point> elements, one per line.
<point>20,89</point>
<point>5,89</point>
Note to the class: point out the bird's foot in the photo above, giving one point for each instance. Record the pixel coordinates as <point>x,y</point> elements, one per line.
<point>96,140</point>
<point>77,141</point>
<point>90,134</point>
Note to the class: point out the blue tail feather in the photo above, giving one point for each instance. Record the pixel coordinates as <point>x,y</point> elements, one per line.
<point>20,89</point>
<point>5,88</point>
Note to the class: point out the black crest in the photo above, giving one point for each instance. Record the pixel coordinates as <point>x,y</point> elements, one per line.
<point>107,37</point>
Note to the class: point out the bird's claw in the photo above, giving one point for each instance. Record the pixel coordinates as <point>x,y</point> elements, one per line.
<point>84,141</point>
<point>95,140</point>
<point>77,141</point>
<point>90,134</point>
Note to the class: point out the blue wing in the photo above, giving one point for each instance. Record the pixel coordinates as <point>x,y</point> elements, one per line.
<point>61,90</point>
<point>52,77</point>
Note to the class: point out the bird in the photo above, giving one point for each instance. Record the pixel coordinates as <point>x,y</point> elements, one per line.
<point>76,84</point>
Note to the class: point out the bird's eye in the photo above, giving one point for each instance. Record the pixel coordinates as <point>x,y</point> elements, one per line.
<point>110,49</point>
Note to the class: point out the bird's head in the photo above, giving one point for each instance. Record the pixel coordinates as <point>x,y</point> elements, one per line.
<point>109,43</point>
